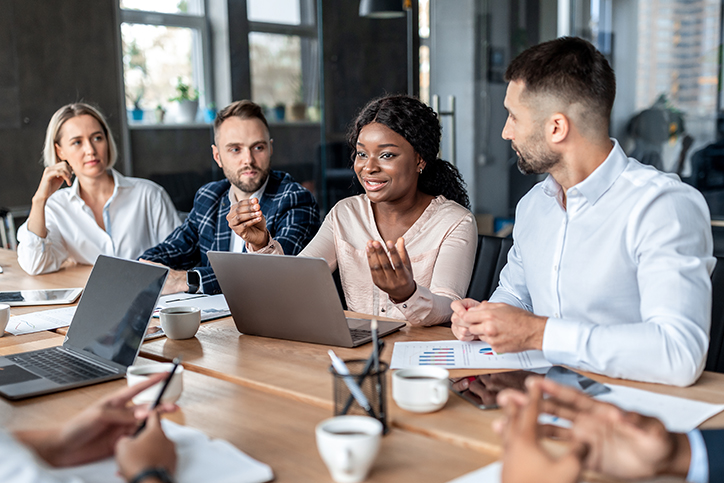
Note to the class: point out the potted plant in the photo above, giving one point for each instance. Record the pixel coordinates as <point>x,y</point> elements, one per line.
<point>298,109</point>
<point>137,112</point>
<point>187,100</point>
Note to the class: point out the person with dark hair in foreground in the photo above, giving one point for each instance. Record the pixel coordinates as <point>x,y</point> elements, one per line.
<point>405,248</point>
<point>103,429</point>
<point>602,437</point>
<point>609,270</point>
<point>242,149</point>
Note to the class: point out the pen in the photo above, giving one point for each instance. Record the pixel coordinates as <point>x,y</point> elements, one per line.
<point>185,299</point>
<point>376,355</point>
<point>365,373</point>
<point>176,362</point>
<point>354,388</point>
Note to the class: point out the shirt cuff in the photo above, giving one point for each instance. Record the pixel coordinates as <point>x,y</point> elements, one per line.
<point>29,238</point>
<point>699,466</point>
<point>273,247</point>
<point>417,307</point>
<point>564,340</point>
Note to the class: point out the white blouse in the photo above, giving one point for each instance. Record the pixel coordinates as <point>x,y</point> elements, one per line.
<point>138,215</point>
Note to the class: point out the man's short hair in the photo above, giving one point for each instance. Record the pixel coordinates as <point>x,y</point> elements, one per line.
<point>244,109</point>
<point>571,70</point>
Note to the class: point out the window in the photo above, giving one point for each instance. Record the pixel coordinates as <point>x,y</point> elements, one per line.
<point>165,52</point>
<point>283,56</point>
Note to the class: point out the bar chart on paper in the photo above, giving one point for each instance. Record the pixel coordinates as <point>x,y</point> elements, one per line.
<point>453,354</point>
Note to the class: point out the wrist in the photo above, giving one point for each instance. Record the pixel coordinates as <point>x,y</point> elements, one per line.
<point>406,294</point>
<point>152,475</point>
<point>679,461</point>
<point>260,246</point>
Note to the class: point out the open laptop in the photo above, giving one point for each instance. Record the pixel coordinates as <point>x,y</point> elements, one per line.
<point>103,338</point>
<point>290,298</point>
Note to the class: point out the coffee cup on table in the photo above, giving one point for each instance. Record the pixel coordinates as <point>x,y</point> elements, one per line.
<point>138,374</point>
<point>349,445</point>
<point>420,389</point>
<point>180,322</point>
<point>4,317</point>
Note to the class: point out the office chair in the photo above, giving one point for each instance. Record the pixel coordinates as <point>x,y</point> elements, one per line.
<point>490,258</point>
<point>715,358</point>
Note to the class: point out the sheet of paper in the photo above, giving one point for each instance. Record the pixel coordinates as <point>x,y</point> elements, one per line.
<point>211,306</point>
<point>487,474</point>
<point>198,459</point>
<point>40,321</point>
<point>455,354</point>
<point>678,414</point>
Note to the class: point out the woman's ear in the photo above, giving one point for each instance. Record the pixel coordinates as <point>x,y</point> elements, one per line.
<point>420,163</point>
<point>59,152</point>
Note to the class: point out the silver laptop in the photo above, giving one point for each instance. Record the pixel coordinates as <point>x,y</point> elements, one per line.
<point>104,336</point>
<point>290,298</point>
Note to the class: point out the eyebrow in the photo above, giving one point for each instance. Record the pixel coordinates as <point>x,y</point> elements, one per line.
<point>80,136</point>
<point>261,141</point>
<point>381,145</point>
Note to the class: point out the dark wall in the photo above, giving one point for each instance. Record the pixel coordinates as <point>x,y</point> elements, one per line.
<point>52,52</point>
<point>363,59</point>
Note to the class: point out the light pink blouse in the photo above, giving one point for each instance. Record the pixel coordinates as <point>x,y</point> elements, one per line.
<point>441,245</point>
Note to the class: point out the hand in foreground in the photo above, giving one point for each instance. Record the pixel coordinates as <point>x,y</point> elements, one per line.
<point>524,459</point>
<point>246,220</point>
<point>622,444</point>
<point>393,273</point>
<point>92,434</point>
<point>175,282</point>
<point>504,327</point>
<point>150,449</point>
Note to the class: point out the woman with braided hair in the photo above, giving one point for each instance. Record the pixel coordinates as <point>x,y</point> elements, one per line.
<point>405,248</point>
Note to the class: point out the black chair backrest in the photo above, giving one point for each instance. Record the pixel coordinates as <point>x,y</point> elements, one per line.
<point>491,257</point>
<point>715,358</point>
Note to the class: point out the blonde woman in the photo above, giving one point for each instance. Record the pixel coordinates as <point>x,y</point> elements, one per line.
<point>102,212</point>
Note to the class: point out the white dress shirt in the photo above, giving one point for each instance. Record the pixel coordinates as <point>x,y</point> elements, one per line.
<point>19,465</point>
<point>622,272</point>
<point>138,215</point>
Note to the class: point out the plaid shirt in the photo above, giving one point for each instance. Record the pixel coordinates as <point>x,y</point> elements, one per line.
<point>292,218</point>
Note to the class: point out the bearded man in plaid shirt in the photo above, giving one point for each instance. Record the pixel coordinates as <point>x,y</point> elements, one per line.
<point>242,149</point>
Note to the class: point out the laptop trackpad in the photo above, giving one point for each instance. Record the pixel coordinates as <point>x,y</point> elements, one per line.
<point>13,374</point>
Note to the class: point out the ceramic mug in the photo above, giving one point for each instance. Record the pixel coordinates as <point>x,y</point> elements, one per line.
<point>138,374</point>
<point>420,389</point>
<point>180,322</point>
<point>4,318</point>
<point>349,445</point>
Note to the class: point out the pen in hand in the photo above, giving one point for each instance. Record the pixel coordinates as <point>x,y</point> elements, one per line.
<point>166,382</point>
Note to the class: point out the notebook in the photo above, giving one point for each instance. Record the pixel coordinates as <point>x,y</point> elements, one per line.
<point>104,336</point>
<point>286,297</point>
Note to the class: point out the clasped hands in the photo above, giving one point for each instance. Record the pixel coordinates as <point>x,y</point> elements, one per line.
<point>246,220</point>
<point>601,438</point>
<point>504,327</point>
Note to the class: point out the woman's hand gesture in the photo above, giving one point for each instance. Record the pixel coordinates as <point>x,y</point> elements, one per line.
<point>391,273</point>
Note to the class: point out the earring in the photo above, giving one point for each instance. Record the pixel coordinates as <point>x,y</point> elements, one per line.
<point>420,171</point>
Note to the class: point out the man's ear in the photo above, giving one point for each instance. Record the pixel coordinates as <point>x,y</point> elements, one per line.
<point>217,157</point>
<point>558,127</point>
<point>271,147</point>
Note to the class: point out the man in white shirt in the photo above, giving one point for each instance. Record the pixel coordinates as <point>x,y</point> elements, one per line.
<point>610,267</point>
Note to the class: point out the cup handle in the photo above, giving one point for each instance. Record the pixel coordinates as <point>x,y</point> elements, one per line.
<point>438,394</point>
<point>347,466</point>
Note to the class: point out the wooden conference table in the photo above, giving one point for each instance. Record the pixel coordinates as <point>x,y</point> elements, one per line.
<point>266,395</point>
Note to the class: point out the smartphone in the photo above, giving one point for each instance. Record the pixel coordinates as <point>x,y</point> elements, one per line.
<point>483,389</point>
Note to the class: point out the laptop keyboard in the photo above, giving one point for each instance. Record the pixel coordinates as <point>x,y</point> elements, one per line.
<point>59,366</point>
<point>359,334</point>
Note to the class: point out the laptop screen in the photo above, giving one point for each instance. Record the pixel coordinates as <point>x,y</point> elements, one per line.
<point>115,308</point>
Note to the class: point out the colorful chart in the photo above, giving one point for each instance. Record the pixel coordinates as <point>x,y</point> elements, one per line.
<point>487,351</point>
<point>437,356</point>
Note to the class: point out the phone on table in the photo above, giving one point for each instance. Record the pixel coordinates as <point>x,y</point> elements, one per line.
<point>482,390</point>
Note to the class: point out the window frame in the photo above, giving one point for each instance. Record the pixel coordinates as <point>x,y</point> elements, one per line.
<point>201,57</point>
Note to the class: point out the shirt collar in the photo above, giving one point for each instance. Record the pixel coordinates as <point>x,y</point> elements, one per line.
<point>119,181</point>
<point>598,182</point>
<point>257,194</point>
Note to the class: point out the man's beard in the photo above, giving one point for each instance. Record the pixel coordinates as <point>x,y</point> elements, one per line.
<point>538,160</point>
<point>248,186</point>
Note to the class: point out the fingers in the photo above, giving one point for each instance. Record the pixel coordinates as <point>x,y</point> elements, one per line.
<point>402,251</point>
<point>124,395</point>
<point>245,212</point>
<point>394,255</point>
<point>377,258</point>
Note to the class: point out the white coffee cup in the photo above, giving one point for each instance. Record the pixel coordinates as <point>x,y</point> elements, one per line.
<point>420,389</point>
<point>348,445</point>
<point>138,374</point>
<point>180,322</point>
<point>4,317</point>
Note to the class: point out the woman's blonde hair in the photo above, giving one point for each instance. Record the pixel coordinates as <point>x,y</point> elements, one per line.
<point>69,111</point>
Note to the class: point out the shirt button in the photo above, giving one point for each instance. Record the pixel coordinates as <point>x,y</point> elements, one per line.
<point>555,268</point>
<point>382,310</point>
<point>404,306</point>
<point>556,315</point>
